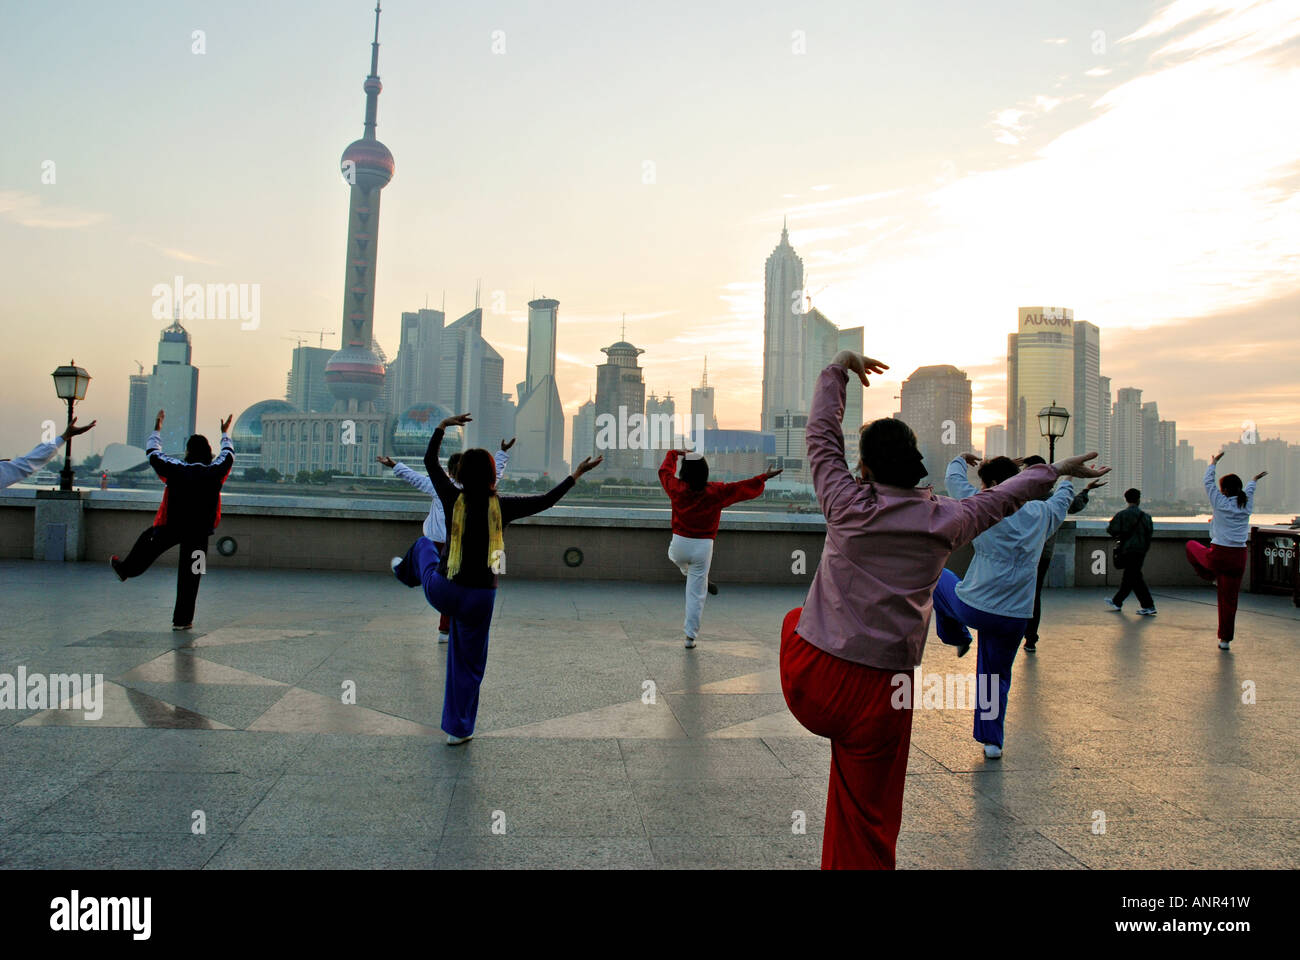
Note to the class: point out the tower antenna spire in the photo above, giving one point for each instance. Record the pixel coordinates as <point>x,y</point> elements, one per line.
<point>372,85</point>
<point>705,381</point>
<point>623,336</point>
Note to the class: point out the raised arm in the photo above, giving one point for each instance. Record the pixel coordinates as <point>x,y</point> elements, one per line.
<point>442,485</point>
<point>225,459</point>
<point>1217,499</point>
<point>502,457</point>
<point>957,478</point>
<point>668,478</point>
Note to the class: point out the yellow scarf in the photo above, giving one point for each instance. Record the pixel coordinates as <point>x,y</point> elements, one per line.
<point>496,540</point>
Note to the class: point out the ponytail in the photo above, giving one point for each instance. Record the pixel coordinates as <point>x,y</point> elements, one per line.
<point>1231,486</point>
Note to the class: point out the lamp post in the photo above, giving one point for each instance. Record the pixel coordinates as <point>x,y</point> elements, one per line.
<point>70,384</point>
<point>1051,424</point>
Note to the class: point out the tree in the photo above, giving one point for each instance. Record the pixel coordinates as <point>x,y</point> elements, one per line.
<point>304,476</point>
<point>92,462</point>
<point>255,475</point>
<point>274,475</point>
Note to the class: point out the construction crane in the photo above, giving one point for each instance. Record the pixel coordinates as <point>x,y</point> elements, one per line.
<point>141,366</point>
<point>323,334</point>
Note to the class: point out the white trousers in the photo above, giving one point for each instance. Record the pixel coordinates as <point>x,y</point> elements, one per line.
<point>693,558</point>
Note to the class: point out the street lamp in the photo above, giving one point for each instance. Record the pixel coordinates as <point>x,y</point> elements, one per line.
<point>1051,424</point>
<point>70,384</point>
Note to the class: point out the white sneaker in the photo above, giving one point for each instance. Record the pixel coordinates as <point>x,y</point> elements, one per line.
<point>1225,644</point>
<point>1147,611</point>
<point>1112,605</point>
<point>395,562</point>
<point>452,741</point>
<point>443,637</point>
<point>992,751</point>
<point>690,643</point>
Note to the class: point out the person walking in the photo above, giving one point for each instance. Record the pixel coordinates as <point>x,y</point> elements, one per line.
<point>435,524</point>
<point>462,580</point>
<point>188,515</point>
<point>11,471</point>
<point>1223,562</point>
<point>864,622</point>
<point>1132,529</point>
<point>996,595</point>
<point>697,510</point>
<point>1078,504</point>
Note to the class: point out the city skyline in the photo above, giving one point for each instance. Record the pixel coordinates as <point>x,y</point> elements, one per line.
<point>1059,108</point>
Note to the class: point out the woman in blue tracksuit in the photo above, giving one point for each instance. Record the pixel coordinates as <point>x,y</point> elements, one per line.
<point>997,595</point>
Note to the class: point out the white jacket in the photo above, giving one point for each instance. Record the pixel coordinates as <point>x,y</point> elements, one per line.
<point>435,524</point>
<point>11,471</point>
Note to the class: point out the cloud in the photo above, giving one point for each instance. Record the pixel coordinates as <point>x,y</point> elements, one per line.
<point>175,254</point>
<point>28,210</point>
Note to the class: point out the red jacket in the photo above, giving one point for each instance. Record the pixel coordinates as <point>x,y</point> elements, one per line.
<point>192,493</point>
<point>696,512</point>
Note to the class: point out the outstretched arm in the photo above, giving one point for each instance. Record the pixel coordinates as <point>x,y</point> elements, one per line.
<point>742,490</point>
<point>977,513</point>
<point>11,471</point>
<point>404,473</point>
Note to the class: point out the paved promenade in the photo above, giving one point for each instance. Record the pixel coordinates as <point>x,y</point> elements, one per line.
<point>602,743</point>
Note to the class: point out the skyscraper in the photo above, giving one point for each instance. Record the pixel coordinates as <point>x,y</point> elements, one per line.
<point>470,379</point>
<point>661,422</point>
<point>1105,452</point>
<point>620,395</point>
<point>1085,417</point>
<point>305,387</point>
<point>539,420</point>
<point>702,402</point>
<point>173,387</point>
<point>1041,364</point>
<point>936,404</point>
<point>783,335</point>
<point>137,410</point>
<point>583,435</point>
<point>995,441</point>
<point>418,356</point>
<point>1159,454</point>
<point>1126,439</point>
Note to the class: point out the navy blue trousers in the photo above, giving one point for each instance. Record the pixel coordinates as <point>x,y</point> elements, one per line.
<point>999,639</point>
<point>470,609</point>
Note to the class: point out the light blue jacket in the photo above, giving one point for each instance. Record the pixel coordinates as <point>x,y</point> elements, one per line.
<point>1001,577</point>
<point>1230,526</point>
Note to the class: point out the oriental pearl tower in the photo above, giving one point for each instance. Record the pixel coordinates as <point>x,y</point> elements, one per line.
<point>355,375</point>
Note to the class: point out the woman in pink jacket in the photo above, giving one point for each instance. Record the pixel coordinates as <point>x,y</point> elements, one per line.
<point>864,623</point>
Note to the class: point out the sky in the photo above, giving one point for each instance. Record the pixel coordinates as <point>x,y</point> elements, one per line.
<point>940,164</point>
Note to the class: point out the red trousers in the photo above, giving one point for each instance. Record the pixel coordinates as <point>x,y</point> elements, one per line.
<point>1224,566</point>
<point>849,704</point>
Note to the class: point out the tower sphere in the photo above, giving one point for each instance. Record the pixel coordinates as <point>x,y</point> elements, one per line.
<point>371,163</point>
<point>355,373</point>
